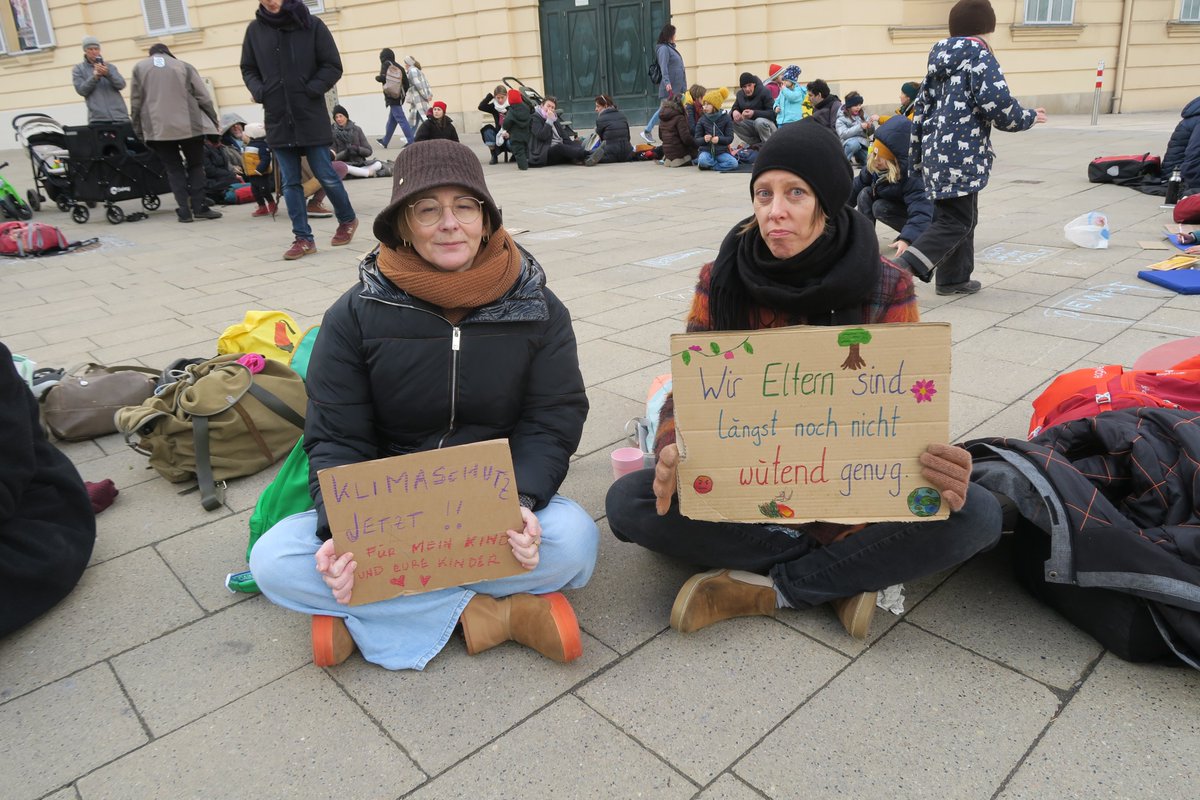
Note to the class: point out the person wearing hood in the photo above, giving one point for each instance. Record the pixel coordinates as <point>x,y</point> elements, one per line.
<point>438,125</point>
<point>394,103</point>
<point>964,95</point>
<point>289,61</point>
<point>789,104</point>
<point>99,83</point>
<point>825,104</point>
<point>853,128</point>
<point>349,141</point>
<point>1183,149</point>
<point>678,142</point>
<point>886,190</point>
<point>753,111</point>
<point>612,129</point>
<point>172,113</point>
<point>803,257</point>
<point>446,277</point>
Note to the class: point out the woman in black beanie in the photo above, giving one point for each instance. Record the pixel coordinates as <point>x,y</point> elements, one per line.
<point>802,258</point>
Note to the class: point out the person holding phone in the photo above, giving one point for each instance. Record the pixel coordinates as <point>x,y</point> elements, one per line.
<point>99,84</point>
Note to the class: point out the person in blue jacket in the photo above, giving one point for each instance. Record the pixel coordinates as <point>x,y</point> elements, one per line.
<point>886,190</point>
<point>964,95</point>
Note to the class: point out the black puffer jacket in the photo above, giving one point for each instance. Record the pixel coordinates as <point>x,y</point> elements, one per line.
<point>676,134</point>
<point>612,127</point>
<point>1178,157</point>
<point>909,192</point>
<point>390,375</point>
<point>288,68</point>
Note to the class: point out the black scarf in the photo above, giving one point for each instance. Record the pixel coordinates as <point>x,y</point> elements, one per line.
<point>292,14</point>
<point>825,284</point>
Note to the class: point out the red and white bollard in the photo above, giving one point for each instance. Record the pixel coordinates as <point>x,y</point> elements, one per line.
<point>1096,97</point>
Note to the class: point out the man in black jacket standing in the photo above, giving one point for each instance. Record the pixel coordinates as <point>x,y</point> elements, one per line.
<point>289,62</point>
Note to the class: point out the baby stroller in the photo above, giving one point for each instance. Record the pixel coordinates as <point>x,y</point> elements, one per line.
<point>108,164</point>
<point>46,144</point>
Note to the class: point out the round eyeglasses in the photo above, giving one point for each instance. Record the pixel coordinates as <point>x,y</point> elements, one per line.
<point>428,212</point>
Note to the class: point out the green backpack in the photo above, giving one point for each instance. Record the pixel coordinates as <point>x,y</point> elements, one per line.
<point>288,493</point>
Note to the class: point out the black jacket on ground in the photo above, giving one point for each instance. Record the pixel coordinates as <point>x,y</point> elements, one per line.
<point>386,380</point>
<point>47,527</point>
<point>612,127</point>
<point>676,134</point>
<point>289,69</point>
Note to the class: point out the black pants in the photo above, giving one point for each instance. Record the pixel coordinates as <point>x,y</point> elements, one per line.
<point>263,187</point>
<point>947,247</point>
<point>187,183</point>
<point>889,212</point>
<point>565,153</point>
<point>808,574</point>
<point>520,151</point>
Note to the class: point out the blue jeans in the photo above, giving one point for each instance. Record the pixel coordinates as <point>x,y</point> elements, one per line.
<point>405,632</point>
<point>805,572</point>
<point>721,162</point>
<point>320,161</point>
<point>396,117</point>
<point>855,150</point>
<point>654,119</point>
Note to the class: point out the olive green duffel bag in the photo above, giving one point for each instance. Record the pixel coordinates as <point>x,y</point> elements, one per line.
<point>219,421</point>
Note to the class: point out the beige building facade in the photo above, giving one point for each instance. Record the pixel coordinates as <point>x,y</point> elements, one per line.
<point>1050,49</point>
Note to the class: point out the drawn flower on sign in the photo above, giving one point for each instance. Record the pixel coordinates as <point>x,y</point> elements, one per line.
<point>923,391</point>
<point>714,350</point>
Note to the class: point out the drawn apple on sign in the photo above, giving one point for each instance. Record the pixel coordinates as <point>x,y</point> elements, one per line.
<point>703,484</point>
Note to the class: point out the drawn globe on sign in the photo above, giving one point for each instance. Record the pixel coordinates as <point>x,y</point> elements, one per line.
<point>924,501</point>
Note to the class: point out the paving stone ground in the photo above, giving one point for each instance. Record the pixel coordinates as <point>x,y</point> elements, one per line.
<point>152,681</point>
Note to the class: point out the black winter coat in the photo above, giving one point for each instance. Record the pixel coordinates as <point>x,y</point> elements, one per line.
<point>217,175</point>
<point>762,104</point>
<point>47,527</point>
<point>676,134</point>
<point>433,129</point>
<point>517,122</point>
<point>541,138</point>
<point>1183,149</point>
<point>289,69</point>
<point>826,112</point>
<point>612,127</point>
<point>390,375</point>
<point>386,59</point>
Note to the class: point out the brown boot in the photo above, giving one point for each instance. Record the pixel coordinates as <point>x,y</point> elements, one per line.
<point>545,623</point>
<point>331,641</point>
<point>721,594</point>
<point>856,613</point>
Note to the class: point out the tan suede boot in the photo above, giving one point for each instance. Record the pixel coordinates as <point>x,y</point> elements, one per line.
<point>331,641</point>
<point>856,613</point>
<point>545,623</point>
<point>721,594</point>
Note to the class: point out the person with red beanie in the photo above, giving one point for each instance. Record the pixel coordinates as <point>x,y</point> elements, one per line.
<point>518,125</point>
<point>437,125</point>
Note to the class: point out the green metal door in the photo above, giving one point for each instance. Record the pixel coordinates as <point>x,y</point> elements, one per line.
<point>592,47</point>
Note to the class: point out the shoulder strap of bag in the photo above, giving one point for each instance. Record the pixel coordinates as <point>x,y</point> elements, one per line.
<point>276,405</point>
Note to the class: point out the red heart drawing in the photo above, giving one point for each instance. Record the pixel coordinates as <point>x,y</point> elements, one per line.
<point>397,581</point>
<point>425,580</point>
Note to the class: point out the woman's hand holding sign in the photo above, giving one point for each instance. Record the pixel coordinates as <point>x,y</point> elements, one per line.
<point>337,571</point>
<point>665,477</point>
<point>948,468</point>
<point>525,545</point>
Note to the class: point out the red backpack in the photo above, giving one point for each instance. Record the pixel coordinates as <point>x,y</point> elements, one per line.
<point>1087,392</point>
<point>27,239</point>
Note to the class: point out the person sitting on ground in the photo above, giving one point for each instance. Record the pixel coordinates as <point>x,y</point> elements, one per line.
<point>551,142</point>
<point>853,128</point>
<point>753,111</point>
<point>886,190</point>
<point>259,169</point>
<point>47,526</point>
<point>232,127</point>
<point>612,128</point>
<point>517,125</point>
<point>693,105</point>
<point>825,105</point>
<point>437,125</point>
<point>1183,149</point>
<point>789,105</point>
<point>908,99</point>
<point>495,105</point>
<point>678,143</point>
<point>802,258</point>
<point>349,141</point>
<point>379,383</point>
<point>714,134</point>
<point>217,175</point>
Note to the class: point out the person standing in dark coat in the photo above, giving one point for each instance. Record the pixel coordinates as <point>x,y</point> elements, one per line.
<point>612,128</point>
<point>289,62</point>
<point>437,125</point>
<point>47,527</point>
<point>445,279</point>
<point>395,104</point>
<point>517,124</point>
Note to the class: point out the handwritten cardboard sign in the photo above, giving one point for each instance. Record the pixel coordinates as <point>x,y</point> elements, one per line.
<point>425,521</point>
<point>810,423</point>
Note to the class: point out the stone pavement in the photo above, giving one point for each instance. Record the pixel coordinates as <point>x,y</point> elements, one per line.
<point>152,681</point>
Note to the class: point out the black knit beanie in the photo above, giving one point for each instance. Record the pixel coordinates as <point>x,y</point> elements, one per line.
<point>812,151</point>
<point>341,110</point>
<point>972,18</point>
<point>431,164</point>
<point>747,77</point>
<point>910,89</point>
<point>853,99</point>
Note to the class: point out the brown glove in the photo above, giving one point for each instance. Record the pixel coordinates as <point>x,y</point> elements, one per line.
<point>948,468</point>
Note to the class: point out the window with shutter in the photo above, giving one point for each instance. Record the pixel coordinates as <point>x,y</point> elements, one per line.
<point>315,6</point>
<point>165,16</point>
<point>31,25</point>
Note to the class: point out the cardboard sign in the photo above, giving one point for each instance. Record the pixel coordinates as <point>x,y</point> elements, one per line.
<point>425,521</point>
<point>810,423</point>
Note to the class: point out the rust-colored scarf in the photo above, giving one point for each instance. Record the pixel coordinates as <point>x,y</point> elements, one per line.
<point>495,270</point>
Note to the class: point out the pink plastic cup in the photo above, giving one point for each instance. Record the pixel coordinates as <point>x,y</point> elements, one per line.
<point>626,460</point>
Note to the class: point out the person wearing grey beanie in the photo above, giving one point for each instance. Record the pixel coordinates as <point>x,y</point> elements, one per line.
<point>803,257</point>
<point>99,83</point>
<point>449,337</point>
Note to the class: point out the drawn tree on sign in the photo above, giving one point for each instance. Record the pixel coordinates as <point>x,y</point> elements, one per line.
<point>853,338</point>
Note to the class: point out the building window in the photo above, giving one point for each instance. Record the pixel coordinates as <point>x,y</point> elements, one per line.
<point>1189,11</point>
<point>1052,12</point>
<point>30,27</point>
<point>315,6</point>
<point>165,16</point>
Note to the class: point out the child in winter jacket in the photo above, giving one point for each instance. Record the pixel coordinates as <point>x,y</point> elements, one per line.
<point>963,96</point>
<point>678,143</point>
<point>853,128</point>
<point>257,161</point>
<point>714,134</point>
<point>517,124</point>
<point>789,106</point>
<point>887,191</point>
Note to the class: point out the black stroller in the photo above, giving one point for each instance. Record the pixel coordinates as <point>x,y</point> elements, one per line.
<point>46,143</point>
<point>107,164</point>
